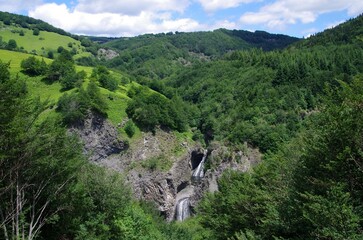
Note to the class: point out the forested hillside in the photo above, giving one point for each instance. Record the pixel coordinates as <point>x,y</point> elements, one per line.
<point>157,56</point>
<point>302,106</point>
<point>299,104</point>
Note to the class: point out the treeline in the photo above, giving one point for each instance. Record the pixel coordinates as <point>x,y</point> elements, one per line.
<point>36,25</point>
<point>30,23</point>
<point>348,32</point>
<point>156,56</point>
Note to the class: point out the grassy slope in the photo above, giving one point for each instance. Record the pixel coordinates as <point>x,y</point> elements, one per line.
<point>117,100</point>
<point>43,43</point>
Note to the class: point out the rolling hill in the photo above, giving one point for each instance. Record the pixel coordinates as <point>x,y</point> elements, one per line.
<point>157,56</point>
<point>179,104</point>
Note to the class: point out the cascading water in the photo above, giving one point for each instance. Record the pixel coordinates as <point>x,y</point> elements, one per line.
<point>199,171</point>
<point>183,209</point>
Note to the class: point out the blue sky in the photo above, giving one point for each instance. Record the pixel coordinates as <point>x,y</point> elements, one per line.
<point>116,18</point>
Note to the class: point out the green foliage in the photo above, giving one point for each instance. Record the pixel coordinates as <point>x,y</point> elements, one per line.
<point>130,128</point>
<point>310,189</point>
<point>150,109</point>
<point>74,106</point>
<point>98,102</point>
<point>157,56</point>
<point>333,215</point>
<point>38,162</point>
<point>345,33</point>
<point>104,77</point>
<point>136,224</point>
<point>262,98</point>
<point>60,49</point>
<point>28,22</point>
<point>50,54</point>
<point>161,163</point>
<point>11,44</point>
<point>33,66</point>
<point>36,32</point>
<point>61,67</point>
<point>86,42</point>
<point>70,80</point>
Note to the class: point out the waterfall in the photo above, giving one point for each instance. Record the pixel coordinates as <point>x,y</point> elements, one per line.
<point>183,209</point>
<point>199,171</point>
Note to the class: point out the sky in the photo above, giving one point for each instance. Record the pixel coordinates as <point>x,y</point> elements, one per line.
<point>123,18</point>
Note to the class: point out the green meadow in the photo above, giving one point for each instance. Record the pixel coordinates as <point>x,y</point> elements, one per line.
<point>43,43</point>
<point>37,87</point>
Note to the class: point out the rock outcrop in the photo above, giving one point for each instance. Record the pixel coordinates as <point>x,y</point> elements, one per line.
<point>99,137</point>
<point>159,166</point>
<point>107,54</point>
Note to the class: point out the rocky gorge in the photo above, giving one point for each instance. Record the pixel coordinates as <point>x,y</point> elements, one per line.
<point>161,167</point>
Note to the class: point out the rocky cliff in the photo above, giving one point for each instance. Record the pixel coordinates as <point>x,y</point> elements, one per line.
<point>100,138</point>
<point>159,166</point>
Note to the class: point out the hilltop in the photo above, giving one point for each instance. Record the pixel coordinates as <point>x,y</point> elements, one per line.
<point>156,56</point>
<point>40,38</point>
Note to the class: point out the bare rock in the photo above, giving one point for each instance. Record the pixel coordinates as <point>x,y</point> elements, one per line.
<point>99,137</point>
<point>107,54</point>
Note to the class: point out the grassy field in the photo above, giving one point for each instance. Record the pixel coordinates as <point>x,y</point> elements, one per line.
<point>41,44</point>
<point>117,101</point>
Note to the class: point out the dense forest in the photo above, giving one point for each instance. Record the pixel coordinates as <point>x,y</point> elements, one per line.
<point>156,56</point>
<point>298,102</point>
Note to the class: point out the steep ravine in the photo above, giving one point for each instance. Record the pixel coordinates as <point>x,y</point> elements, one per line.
<point>159,167</point>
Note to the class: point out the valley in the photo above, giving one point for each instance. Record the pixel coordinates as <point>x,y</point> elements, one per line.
<point>226,134</point>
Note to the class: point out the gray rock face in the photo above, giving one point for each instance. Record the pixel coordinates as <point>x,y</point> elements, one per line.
<point>107,54</point>
<point>99,137</point>
<point>168,185</point>
<point>162,187</point>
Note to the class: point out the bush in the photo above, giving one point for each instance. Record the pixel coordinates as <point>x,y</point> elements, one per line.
<point>108,82</point>
<point>60,49</point>
<point>12,44</point>
<point>50,54</point>
<point>61,67</point>
<point>149,109</point>
<point>98,103</point>
<point>36,32</point>
<point>33,66</point>
<point>130,128</point>
<point>72,79</point>
<point>73,107</point>
<point>105,79</point>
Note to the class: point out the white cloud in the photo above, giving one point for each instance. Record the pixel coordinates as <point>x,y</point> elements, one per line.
<point>309,32</point>
<point>213,5</point>
<point>334,24</point>
<point>224,24</point>
<point>283,12</point>
<point>111,24</point>
<point>17,6</point>
<point>133,7</point>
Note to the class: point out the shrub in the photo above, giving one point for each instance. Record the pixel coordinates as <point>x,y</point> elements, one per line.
<point>36,32</point>
<point>33,66</point>
<point>12,44</point>
<point>130,128</point>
